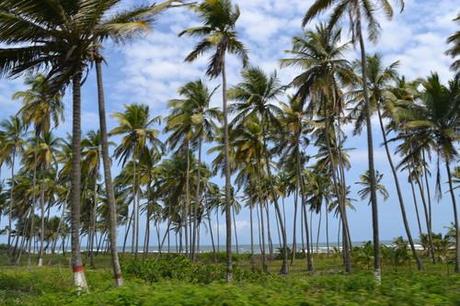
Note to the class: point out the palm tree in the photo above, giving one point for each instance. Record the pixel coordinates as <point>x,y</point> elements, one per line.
<point>125,24</point>
<point>365,182</point>
<point>191,122</point>
<point>385,103</point>
<point>255,97</point>
<point>438,118</point>
<point>358,12</point>
<point>454,51</point>
<point>218,34</point>
<point>319,54</point>
<point>91,154</point>
<point>62,36</point>
<point>13,131</point>
<point>292,141</point>
<point>135,124</point>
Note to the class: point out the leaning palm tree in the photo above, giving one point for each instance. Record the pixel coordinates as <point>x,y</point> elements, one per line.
<point>384,102</point>
<point>219,36</point>
<point>437,116</point>
<point>125,24</point>
<point>454,51</point>
<point>359,12</point>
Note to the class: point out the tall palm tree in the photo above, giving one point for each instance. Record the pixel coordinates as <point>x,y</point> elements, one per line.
<point>358,12</point>
<point>319,54</point>
<point>125,25</point>
<point>13,132</point>
<point>454,51</point>
<point>438,117</point>
<point>219,36</point>
<point>136,127</point>
<point>292,142</point>
<point>192,122</point>
<point>383,102</point>
<point>255,97</point>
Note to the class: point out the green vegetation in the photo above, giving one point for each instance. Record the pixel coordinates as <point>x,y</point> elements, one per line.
<point>175,280</point>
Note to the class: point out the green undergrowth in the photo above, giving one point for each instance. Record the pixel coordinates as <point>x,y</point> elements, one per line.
<point>174,280</point>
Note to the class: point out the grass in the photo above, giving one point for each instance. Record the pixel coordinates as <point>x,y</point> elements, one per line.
<point>151,282</point>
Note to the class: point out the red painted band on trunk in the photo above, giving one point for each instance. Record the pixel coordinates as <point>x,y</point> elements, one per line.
<point>77,269</point>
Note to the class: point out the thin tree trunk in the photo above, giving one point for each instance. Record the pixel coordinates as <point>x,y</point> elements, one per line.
<point>128,227</point>
<point>427,186</point>
<point>269,235</point>
<point>427,219</point>
<point>234,229</point>
<point>262,234</point>
<point>42,224</point>
<point>197,201</point>
<point>414,197</point>
<point>251,223</point>
<point>187,201</point>
<point>77,264</point>
<point>284,265</point>
<point>399,193</point>
<point>318,231</point>
<point>327,229</point>
<point>454,206</point>
<point>370,149</point>
<point>212,235</point>
<point>294,228</point>
<point>10,210</point>
<point>228,202</point>
<point>300,187</point>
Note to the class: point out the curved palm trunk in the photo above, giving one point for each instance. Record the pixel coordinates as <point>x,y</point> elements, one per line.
<point>414,197</point>
<point>370,149</point>
<point>427,186</point>
<point>269,235</point>
<point>454,206</point>
<point>108,178</point>
<point>399,193</point>
<point>228,213</point>
<point>75,200</point>
<point>251,224</point>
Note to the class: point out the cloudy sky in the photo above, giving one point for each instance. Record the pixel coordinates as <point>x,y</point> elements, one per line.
<point>150,69</point>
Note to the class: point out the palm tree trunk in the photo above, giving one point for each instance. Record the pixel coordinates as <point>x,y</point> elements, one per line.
<point>300,188</point>
<point>427,219</point>
<point>399,193</point>
<point>327,229</point>
<point>197,201</point>
<point>108,178</point>
<point>228,216</point>
<point>414,197</point>
<point>294,229</point>
<point>262,234</point>
<point>454,206</point>
<point>235,230</point>
<point>128,227</point>
<point>427,186</point>
<point>370,149</point>
<point>187,200</point>
<point>75,200</point>
<point>251,224</point>
<point>212,235</point>
<point>10,210</point>
<point>93,225</point>
<point>318,231</point>
<point>341,197</point>
<point>269,235</point>
<point>42,225</point>
<point>284,265</point>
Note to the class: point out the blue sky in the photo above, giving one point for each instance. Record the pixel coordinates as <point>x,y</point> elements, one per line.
<point>150,69</point>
